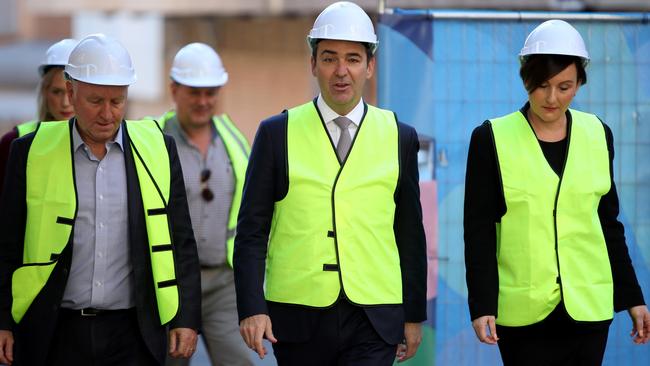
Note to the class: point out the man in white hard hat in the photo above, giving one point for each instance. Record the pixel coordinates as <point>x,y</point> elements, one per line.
<point>214,155</point>
<point>330,254</point>
<point>99,259</point>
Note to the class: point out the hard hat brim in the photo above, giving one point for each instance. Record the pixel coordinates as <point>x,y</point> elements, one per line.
<point>202,83</point>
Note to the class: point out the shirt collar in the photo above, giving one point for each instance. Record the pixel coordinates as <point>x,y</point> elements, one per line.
<point>77,141</point>
<point>355,115</point>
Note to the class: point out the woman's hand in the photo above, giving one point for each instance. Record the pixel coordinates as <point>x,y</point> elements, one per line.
<point>640,324</point>
<point>486,329</point>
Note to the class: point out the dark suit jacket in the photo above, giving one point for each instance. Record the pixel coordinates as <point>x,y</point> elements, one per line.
<point>267,182</point>
<point>32,335</point>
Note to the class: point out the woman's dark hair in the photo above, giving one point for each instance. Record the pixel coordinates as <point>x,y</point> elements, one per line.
<point>537,69</point>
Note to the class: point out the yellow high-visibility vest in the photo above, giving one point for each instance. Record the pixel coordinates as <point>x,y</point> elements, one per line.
<point>52,210</point>
<point>26,127</point>
<point>334,228</point>
<point>550,244</point>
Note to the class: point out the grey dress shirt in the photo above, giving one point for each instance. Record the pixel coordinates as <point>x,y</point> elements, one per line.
<point>101,274</point>
<point>209,219</point>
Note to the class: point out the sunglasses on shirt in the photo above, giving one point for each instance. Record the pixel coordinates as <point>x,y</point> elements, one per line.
<point>206,192</point>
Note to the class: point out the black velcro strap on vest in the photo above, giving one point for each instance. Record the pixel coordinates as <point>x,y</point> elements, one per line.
<point>330,267</point>
<point>168,283</point>
<point>161,248</point>
<point>64,221</point>
<point>54,256</point>
<point>156,211</point>
<point>330,234</point>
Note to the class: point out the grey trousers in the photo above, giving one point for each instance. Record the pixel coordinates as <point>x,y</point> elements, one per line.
<point>220,323</point>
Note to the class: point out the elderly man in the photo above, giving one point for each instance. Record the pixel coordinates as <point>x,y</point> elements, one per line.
<point>331,214</point>
<point>214,155</point>
<point>97,256</point>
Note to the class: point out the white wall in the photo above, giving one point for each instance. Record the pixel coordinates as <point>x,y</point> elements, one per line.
<point>143,36</point>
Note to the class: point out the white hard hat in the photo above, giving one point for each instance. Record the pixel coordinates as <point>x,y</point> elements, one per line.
<point>57,54</point>
<point>344,21</point>
<point>555,37</point>
<point>198,65</point>
<point>101,60</point>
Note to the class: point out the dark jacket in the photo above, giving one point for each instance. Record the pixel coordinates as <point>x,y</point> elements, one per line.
<point>32,335</point>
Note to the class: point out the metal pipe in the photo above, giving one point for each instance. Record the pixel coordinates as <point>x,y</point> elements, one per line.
<point>522,16</point>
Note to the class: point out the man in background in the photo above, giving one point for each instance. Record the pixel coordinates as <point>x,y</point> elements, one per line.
<point>214,156</point>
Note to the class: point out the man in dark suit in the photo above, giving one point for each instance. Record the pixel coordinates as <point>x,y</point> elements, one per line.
<point>97,256</point>
<point>330,254</point>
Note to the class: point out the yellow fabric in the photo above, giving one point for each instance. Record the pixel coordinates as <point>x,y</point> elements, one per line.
<point>238,151</point>
<point>550,251</point>
<point>355,201</point>
<point>153,170</point>
<point>50,195</point>
<point>26,127</point>
<point>51,210</point>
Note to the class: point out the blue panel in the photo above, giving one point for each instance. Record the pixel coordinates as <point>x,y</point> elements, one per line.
<point>643,123</point>
<point>628,82</point>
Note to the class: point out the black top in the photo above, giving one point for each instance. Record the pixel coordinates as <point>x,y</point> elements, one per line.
<point>485,205</point>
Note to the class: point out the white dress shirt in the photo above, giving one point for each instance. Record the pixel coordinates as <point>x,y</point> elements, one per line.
<point>355,115</point>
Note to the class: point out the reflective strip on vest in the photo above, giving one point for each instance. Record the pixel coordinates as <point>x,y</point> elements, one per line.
<point>27,127</point>
<point>51,211</point>
<point>152,167</point>
<point>335,225</point>
<point>548,251</point>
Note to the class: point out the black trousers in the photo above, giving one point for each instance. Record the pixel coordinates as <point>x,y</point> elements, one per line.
<point>343,336</point>
<point>556,340</point>
<point>110,338</point>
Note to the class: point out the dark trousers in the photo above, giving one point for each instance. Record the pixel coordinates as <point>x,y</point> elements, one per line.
<point>343,336</point>
<point>556,340</point>
<point>110,338</point>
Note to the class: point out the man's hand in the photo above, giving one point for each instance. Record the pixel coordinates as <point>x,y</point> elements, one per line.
<point>253,329</point>
<point>182,342</point>
<point>413,338</point>
<point>640,324</point>
<point>6,347</point>
<point>482,325</point>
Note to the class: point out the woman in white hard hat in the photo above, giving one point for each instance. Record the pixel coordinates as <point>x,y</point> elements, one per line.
<point>546,259</point>
<point>53,103</point>
<point>52,100</point>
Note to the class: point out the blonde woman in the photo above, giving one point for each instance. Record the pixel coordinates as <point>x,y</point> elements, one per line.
<point>53,102</point>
